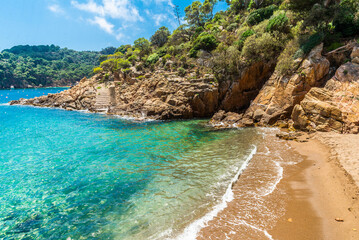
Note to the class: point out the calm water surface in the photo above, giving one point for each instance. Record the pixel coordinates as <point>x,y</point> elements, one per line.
<point>88,176</point>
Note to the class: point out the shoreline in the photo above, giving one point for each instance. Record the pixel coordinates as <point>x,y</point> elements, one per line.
<point>323,203</point>
<point>316,197</point>
<point>319,191</point>
<point>34,88</point>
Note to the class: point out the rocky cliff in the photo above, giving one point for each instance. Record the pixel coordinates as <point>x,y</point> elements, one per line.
<point>334,107</point>
<point>161,95</point>
<point>319,96</point>
<point>311,99</point>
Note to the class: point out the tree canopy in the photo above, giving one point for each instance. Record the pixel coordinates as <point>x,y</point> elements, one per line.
<point>26,65</point>
<point>160,37</point>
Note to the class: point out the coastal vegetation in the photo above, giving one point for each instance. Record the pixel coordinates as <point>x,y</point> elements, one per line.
<point>24,66</point>
<point>247,32</point>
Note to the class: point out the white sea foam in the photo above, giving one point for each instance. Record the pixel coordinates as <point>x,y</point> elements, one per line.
<point>258,229</point>
<point>193,229</point>
<point>274,184</point>
<point>134,119</point>
<point>5,104</point>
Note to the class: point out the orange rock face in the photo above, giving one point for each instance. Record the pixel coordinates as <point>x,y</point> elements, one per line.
<point>334,107</point>
<point>281,93</point>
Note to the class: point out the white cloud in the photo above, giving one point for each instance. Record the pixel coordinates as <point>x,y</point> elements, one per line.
<point>116,9</point>
<point>56,9</point>
<point>103,24</point>
<point>120,36</point>
<point>116,17</point>
<point>169,2</point>
<point>159,18</point>
<point>159,2</point>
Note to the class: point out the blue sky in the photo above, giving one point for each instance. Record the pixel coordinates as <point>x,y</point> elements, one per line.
<point>84,24</point>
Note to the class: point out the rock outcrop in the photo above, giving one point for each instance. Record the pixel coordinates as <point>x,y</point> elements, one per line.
<point>237,94</point>
<point>162,95</point>
<point>80,97</point>
<point>159,95</point>
<point>281,93</point>
<point>334,107</point>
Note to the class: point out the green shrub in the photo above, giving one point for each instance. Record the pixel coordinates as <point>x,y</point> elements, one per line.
<point>197,32</point>
<point>181,72</point>
<point>286,63</point>
<point>232,27</point>
<point>278,23</point>
<point>126,70</point>
<point>309,44</point>
<point>129,52</point>
<point>237,5</point>
<point>301,5</point>
<point>161,51</point>
<point>132,59</point>
<point>205,41</point>
<point>183,59</point>
<point>265,47</point>
<point>165,58</point>
<point>171,50</point>
<point>208,26</point>
<point>261,14</point>
<point>243,37</point>
<point>217,17</point>
<point>97,70</point>
<point>122,63</point>
<point>153,58</point>
<point>345,22</point>
<point>109,65</point>
<point>334,46</point>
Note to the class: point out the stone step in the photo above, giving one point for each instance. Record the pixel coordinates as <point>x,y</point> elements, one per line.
<point>103,99</point>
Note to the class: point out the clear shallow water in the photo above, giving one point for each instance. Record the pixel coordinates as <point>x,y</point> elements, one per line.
<point>87,176</point>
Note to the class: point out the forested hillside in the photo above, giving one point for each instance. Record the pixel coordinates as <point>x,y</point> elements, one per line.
<point>248,32</point>
<point>25,66</point>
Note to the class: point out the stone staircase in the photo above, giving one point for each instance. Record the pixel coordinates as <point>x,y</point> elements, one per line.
<point>104,98</point>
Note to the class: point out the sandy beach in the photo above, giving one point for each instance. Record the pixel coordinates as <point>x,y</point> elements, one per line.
<point>314,193</point>
<point>323,192</point>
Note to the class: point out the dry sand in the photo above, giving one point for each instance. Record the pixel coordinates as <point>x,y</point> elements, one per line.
<point>323,191</point>
<point>311,195</point>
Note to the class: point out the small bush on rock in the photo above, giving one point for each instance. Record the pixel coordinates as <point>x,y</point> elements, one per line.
<point>261,14</point>
<point>278,23</point>
<point>181,72</point>
<point>153,58</point>
<point>286,62</point>
<point>263,48</point>
<point>205,41</point>
<point>97,70</point>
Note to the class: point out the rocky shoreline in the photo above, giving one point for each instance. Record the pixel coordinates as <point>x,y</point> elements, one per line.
<point>322,95</point>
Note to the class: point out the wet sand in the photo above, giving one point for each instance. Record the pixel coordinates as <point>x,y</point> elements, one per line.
<point>308,190</point>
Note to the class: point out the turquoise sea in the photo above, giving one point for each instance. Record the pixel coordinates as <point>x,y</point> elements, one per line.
<point>78,175</point>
